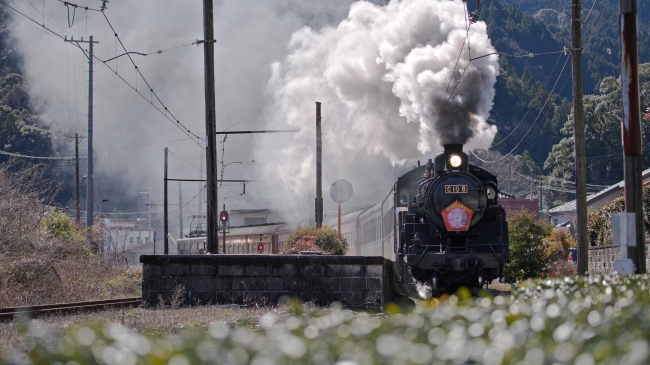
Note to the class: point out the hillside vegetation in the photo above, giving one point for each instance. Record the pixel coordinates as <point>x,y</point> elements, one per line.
<point>43,258</point>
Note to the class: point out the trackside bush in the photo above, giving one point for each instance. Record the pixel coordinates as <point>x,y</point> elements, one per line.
<point>573,320</point>
<point>323,239</point>
<point>527,249</point>
<point>558,245</point>
<point>599,222</point>
<point>58,224</point>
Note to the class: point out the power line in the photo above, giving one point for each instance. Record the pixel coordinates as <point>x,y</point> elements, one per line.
<point>185,130</point>
<point>189,163</point>
<point>248,116</point>
<point>534,122</point>
<point>35,157</point>
<point>147,144</point>
<point>179,125</point>
<point>150,53</point>
<point>529,109</point>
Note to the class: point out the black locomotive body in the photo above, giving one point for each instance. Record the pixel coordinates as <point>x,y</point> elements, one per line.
<point>452,230</point>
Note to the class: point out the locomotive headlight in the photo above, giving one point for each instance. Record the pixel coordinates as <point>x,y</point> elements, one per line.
<point>491,192</point>
<point>455,160</point>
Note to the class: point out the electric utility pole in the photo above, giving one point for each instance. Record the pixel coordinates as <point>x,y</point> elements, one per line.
<point>631,127</point>
<point>319,169</point>
<point>180,210</point>
<point>76,179</point>
<point>579,138</point>
<point>148,192</point>
<point>166,239</point>
<point>212,231</point>
<point>90,183</point>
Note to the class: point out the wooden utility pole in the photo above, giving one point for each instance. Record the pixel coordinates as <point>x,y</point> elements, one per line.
<point>579,139</point>
<point>212,231</point>
<point>165,208</point>
<point>319,169</point>
<point>631,127</point>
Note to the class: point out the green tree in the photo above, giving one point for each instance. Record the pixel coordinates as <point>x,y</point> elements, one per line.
<point>602,116</point>
<point>528,257</point>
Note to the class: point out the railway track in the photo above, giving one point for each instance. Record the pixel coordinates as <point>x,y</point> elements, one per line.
<point>61,308</point>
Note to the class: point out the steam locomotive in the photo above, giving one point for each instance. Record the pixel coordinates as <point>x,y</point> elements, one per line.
<point>451,230</point>
<point>441,225</point>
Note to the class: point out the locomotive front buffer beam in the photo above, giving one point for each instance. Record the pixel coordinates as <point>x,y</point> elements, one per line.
<point>457,262</point>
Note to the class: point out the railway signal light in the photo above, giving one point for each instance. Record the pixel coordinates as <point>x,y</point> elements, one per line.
<point>223,216</point>
<point>260,248</point>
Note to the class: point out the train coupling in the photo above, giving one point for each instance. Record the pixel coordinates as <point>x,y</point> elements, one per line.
<point>459,264</point>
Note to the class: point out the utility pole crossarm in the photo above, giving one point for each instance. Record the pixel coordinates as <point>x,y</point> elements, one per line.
<point>264,131</point>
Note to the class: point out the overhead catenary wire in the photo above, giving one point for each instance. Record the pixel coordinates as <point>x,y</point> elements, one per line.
<point>186,161</point>
<point>195,138</point>
<point>150,53</point>
<point>179,125</point>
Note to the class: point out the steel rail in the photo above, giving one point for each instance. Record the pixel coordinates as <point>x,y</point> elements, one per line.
<point>36,310</point>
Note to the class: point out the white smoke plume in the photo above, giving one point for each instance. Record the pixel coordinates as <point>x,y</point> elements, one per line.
<point>381,72</point>
<point>385,77</point>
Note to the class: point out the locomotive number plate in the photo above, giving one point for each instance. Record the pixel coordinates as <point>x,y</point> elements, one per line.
<point>456,189</point>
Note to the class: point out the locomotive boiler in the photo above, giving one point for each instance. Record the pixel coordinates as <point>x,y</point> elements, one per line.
<point>451,229</point>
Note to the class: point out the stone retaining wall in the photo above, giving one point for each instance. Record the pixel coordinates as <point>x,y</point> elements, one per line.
<point>354,281</point>
<point>601,258</point>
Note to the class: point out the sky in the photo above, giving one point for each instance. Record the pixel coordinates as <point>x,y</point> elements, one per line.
<point>386,76</point>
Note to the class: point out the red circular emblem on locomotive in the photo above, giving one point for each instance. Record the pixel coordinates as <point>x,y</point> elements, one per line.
<point>457,217</point>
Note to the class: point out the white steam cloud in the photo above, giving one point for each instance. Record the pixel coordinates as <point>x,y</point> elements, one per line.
<point>381,72</point>
<point>385,76</point>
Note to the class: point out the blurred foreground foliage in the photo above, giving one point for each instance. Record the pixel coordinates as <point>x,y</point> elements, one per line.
<point>571,320</point>
<point>316,239</point>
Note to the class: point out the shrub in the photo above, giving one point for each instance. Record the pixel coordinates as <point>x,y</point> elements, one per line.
<point>599,222</point>
<point>558,245</point>
<point>43,257</point>
<point>527,250</point>
<point>58,224</point>
<point>323,239</point>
